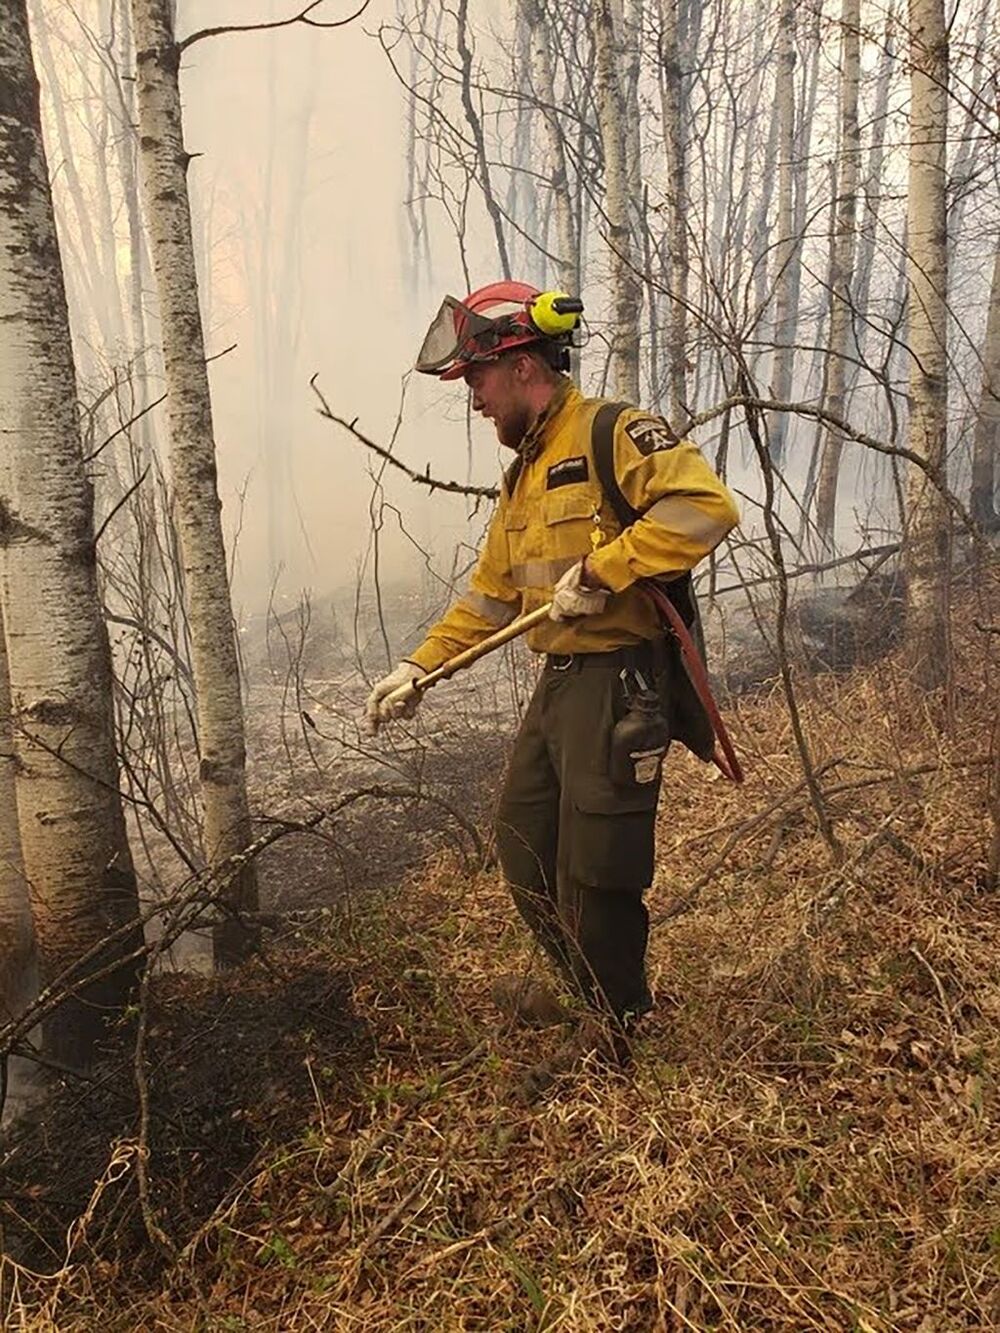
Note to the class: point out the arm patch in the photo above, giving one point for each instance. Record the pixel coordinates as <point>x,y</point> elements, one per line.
<point>650,435</point>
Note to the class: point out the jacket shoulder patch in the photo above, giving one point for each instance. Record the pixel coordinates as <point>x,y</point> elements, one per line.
<point>650,435</point>
<point>567,472</point>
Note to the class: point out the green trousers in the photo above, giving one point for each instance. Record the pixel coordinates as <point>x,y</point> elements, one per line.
<point>577,850</point>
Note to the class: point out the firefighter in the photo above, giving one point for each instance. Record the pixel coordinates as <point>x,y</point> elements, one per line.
<point>575,836</point>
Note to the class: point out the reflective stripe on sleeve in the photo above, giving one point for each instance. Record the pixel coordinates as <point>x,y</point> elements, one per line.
<point>684,517</point>
<point>493,609</point>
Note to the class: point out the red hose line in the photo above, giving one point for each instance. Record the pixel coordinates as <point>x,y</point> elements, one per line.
<point>727,762</point>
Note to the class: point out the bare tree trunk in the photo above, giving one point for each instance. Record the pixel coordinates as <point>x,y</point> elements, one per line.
<point>626,19</point>
<point>476,128</point>
<point>625,290</point>
<point>674,117</point>
<point>522,194</point>
<point>128,145</point>
<point>786,249</point>
<point>543,87</point>
<point>806,117</point>
<point>73,841</point>
<point>986,440</point>
<point>16,936</point>
<point>926,538</point>
<point>164,161</point>
<point>841,308</point>
<point>873,185</point>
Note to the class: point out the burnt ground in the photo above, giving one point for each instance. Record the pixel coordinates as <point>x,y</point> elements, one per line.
<point>235,1064</point>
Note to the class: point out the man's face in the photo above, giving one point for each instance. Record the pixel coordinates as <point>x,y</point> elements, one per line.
<point>499,392</point>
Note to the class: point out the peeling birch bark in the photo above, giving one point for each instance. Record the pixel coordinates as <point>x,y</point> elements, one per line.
<point>197,508</point>
<point>76,856</point>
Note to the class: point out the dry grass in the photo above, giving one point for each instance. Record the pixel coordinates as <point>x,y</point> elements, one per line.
<point>809,1137</point>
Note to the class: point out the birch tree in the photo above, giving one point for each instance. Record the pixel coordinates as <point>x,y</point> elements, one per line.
<point>15,914</point>
<point>925,539</point>
<point>786,248</point>
<point>625,291</point>
<point>75,851</point>
<point>673,111</point>
<point>843,263</point>
<point>532,17</point>
<point>986,439</point>
<point>197,507</point>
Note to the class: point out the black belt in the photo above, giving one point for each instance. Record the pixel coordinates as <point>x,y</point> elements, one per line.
<point>636,655</point>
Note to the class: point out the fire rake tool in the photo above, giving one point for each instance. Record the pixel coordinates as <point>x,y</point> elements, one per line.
<point>724,758</point>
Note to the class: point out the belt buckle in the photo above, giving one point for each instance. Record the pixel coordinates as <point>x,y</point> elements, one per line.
<point>565,664</point>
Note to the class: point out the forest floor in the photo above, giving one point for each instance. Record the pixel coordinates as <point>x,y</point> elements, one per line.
<point>808,1138</point>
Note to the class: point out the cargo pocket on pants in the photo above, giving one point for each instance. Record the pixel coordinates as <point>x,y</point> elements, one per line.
<point>612,838</point>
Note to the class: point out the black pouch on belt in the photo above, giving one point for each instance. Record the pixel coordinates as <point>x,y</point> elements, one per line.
<point>640,740</point>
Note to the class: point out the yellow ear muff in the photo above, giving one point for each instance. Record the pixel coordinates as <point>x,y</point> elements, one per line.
<point>555,313</point>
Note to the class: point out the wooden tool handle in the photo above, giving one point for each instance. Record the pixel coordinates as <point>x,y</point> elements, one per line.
<point>465,659</point>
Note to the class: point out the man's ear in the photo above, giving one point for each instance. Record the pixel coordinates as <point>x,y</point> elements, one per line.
<point>524,366</point>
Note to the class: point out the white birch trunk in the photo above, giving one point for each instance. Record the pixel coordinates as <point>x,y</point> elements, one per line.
<point>625,290</point>
<point>197,507</point>
<point>787,244</point>
<point>673,111</point>
<point>926,537</point>
<point>986,439</point>
<point>843,266</point>
<point>543,87</point>
<point>73,840</point>
<point>16,936</point>
<point>626,18</point>
<point>869,229</point>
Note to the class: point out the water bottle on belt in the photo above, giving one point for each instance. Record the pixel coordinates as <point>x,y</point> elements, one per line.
<point>639,742</point>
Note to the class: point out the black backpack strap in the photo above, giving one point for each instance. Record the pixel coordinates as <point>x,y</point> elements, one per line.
<point>602,443</point>
<point>680,591</point>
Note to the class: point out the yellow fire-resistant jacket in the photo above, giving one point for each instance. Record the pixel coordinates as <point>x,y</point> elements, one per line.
<point>546,524</point>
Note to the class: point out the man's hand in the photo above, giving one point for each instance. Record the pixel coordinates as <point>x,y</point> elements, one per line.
<point>572,596</point>
<point>379,708</point>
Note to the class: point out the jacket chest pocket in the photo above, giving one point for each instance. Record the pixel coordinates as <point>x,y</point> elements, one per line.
<point>568,516</point>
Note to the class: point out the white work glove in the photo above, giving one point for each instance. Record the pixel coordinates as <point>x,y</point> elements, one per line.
<point>572,599</point>
<point>379,708</point>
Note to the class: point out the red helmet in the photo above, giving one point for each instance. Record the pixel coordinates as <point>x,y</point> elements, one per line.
<point>491,321</point>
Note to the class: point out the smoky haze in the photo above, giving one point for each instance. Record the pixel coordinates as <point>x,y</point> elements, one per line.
<point>299,194</point>
<point>297,187</point>
<point>299,204</point>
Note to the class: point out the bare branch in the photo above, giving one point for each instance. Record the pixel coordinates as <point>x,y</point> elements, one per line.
<point>757,404</point>
<point>302,17</point>
<point>423,478</point>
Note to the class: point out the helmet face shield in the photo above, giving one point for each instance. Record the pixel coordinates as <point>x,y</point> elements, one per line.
<point>457,333</point>
<point>440,345</point>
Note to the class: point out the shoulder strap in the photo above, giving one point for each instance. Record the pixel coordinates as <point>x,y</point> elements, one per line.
<point>602,443</point>
<point>680,591</point>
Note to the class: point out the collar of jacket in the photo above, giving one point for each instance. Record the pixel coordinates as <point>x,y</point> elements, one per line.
<point>566,395</point>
